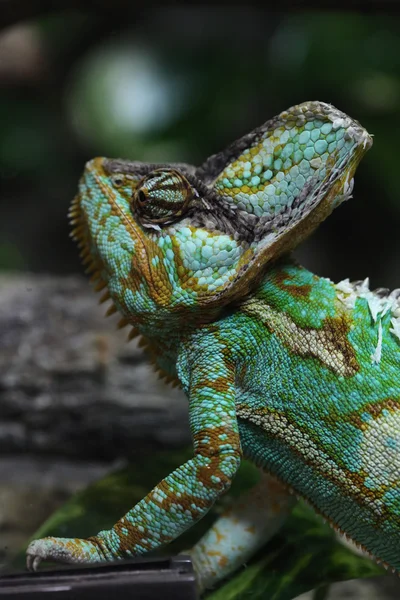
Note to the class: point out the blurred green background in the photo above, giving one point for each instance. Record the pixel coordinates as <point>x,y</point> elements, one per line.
<point>179,84</point>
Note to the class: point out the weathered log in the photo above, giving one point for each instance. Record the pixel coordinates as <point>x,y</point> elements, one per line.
<point>70,385</point>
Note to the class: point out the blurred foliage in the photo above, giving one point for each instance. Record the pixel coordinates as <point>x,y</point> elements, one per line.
<point>304,555</point>
<point>180,84</point>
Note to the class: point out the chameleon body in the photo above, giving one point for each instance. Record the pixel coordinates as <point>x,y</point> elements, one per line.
<point>296,373</point>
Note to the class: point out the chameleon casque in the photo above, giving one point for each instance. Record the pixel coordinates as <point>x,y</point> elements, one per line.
<point>292,371</point>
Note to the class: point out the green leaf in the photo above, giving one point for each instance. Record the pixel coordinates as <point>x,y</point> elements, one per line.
<point>305,554</point>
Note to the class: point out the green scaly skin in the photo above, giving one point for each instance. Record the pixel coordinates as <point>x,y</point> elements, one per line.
<point>296,373</point>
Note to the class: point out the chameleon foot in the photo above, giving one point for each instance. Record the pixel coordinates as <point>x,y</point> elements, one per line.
<point>62,550</point>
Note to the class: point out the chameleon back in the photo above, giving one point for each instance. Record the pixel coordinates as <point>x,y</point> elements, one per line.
<point>323,411</point>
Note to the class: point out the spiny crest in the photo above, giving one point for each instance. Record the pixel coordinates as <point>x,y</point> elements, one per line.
<point>80,235</point>
<point>162,196</point>
<point>380,302</point>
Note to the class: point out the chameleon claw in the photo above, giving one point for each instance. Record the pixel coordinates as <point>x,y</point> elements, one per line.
<point>33,556</point>
<point>61,550</point>
<point>36,562</point>
<point>29,563</point>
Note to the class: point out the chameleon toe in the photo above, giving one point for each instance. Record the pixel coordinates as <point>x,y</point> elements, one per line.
<point>34,555</point>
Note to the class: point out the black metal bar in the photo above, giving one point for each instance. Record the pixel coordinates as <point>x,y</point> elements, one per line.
<point>140,579</point>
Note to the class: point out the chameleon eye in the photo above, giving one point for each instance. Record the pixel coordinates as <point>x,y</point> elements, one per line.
<point>162,196</point>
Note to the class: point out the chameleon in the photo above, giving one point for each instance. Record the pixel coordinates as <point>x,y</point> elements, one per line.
<point>280,366</point>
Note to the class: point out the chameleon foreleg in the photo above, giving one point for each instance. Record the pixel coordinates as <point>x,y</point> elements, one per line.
<point>240,531</point>
<point>185,495</point>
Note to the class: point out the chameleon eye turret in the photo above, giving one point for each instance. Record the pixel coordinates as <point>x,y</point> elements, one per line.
<point>161,197</point>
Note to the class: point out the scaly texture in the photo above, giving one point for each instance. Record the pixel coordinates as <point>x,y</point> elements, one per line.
<point>300,375</point>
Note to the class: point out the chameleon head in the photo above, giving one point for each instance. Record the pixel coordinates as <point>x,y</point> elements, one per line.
<point>173,240</point>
